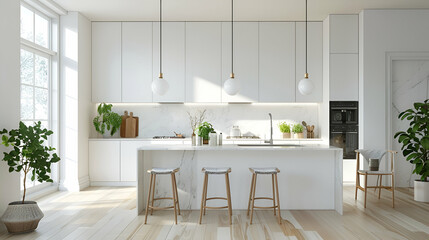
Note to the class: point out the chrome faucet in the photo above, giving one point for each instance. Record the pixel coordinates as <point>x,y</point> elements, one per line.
<point>271,132</point>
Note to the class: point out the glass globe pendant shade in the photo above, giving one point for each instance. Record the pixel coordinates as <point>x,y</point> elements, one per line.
<point>160,86</point>
<point>305,86</point>
<point>231,86</point>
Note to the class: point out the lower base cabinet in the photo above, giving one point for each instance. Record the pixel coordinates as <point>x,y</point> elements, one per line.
<point>104,161</point>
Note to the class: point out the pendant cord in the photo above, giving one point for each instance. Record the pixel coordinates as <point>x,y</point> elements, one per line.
<point>306,23</point>
<point>232,36</point>
<point>160,36</point>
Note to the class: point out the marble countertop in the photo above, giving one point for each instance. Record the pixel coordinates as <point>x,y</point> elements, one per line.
<point>188,139</point>
<point>234,147</point>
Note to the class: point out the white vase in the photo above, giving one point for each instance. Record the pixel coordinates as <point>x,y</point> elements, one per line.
<point>421,191</point>
<point>212,139</point>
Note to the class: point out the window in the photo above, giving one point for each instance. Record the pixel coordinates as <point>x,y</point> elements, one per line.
<point>36,69</point>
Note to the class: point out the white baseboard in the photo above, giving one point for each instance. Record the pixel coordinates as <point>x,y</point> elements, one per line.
<point>112,184</point>
<point>83,182</point>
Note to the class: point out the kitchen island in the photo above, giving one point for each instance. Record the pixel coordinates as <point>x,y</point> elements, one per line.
<point>310,177</point>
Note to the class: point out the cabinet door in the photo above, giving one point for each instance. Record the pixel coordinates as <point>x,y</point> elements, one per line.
<point>136,62</point>
<point>173,58</point>
<point>344,33</point>
<point>277,62</point>
<point>106,62</point>
<point>344,77</point>
<point>315,59</point>
<point>203,62</point>
<point>129,157</point>
<point>104,161</point>
<point>246,58</point>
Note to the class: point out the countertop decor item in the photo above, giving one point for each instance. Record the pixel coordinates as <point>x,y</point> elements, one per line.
<point>235,132</point>
<point>203,131</point>
<point>415,146</point>
<point>298,130</point>
<point>129,125</point>
<point>196,119</point>
<point>213,139</point>
<point>305,86</point>
<point>106,119</point>
<point>232,85</point>
<point>29,154</point>
<point>285,129</point>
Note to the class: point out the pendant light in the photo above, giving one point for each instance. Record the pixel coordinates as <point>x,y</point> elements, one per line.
<point>232,85</point>
<point>306,86</point>
<point>159,85</point>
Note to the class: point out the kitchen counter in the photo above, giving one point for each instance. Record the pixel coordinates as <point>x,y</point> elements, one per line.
<point>235,147</point>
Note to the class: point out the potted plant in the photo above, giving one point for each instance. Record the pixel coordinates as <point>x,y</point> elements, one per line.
<point>203,131</point>
<point>106,120</point>
<point>298,130</point>
<point>31,156</point>
<point>415,146</point>
<point>196,120</point>
<point>285,129</point>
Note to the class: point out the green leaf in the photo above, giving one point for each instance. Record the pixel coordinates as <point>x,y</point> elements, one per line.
<point>425,142</point>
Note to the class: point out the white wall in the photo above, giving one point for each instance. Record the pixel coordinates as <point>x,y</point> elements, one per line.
<point>9,93</point>
<point>75,98</point>
<point>383,31</point>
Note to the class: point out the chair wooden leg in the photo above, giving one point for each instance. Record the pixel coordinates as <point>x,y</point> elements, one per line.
<point>278,200</point>
<point>228,195</point>
<point>250,195</point>
<point>393,191</point>
<point>174,197</point>
<point>153,194</point>
<point>357,184</point>
<point>366,190</point>
<point>379,190</point>
<point>274,196</point>
<point>253,197</point>
<point>177,194</point>
<point>148,198</point>
<point>203,196</point>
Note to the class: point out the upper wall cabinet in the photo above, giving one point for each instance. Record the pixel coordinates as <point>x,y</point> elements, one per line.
<point>277,62</point>
<point>173,60</point>
<point>106,62</point>
<point>344,30</point>
<point>203,62</point>
<point>315,59</point>
<point>136,62</point>
<point>246,58</point>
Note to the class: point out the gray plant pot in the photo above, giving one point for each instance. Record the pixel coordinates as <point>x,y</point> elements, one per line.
<point>22,218</point>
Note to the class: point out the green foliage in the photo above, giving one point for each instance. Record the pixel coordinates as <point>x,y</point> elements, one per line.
<point>415,141</point>
<point>284,127</point>
<point>297,128</point>
<point>204,129</point>
<point>107,119</point>
<point>29,152</point>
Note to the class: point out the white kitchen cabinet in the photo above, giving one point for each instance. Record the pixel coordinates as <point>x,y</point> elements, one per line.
<point>246,56</point>
<point>344,33</point>
<point>344,77</point>
<point>129,157</point>
<point>315,60</point>
<point>203,62</point>
<point>277,62</point>
<point>136,62</point>
<point>106,62</point>
<point>173,58</point>
<point>104,161</point>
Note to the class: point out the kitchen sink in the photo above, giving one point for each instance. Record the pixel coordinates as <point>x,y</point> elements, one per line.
<point>268,145</point>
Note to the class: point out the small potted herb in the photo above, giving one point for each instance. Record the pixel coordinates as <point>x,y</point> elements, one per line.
<point>107,120</point>
<point>298,130</point>
<point>203,131</point>
<point>285,129</point>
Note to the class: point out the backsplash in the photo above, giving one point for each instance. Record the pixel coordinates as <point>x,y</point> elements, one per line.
<point>164,119</point>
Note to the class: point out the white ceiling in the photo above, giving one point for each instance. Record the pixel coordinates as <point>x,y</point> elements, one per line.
<point>219,10</point>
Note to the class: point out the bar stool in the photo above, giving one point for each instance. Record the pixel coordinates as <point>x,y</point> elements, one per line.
<point>151,195</point>
<point>204,198</point>
<point>255,171</point>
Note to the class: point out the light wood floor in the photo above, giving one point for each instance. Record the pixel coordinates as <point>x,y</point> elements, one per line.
<point>109,213</point>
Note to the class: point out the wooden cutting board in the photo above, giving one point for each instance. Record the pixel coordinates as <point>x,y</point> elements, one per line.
<point>123,124</point>
<point>130,126</point>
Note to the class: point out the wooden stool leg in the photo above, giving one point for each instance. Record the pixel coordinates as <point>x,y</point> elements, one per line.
<point>177,194</point>
<point>174,197</point>
<point>278,200</point>
<point>393,191</point>
<point>274,196</point>
<point>366,189</point>
<point>203,196</point>
<point>357,184</point>
<point>148,198</point>
<point>250,194</point>
<point>253,197</point>
<point>379,190</point>
<point>228,196</point>
<point>153,194</point>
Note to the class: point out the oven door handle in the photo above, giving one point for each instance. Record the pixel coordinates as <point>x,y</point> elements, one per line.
<point>344,132</point>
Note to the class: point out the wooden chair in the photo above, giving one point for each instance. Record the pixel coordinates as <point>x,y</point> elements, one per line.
<point>379,174</point>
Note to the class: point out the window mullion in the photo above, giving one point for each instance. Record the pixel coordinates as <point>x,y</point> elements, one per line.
<point>34,84</point>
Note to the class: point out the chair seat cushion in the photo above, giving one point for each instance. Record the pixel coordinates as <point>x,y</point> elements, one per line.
<point>162,170</point>
<point>266,170</point>
<point>212,170</point>
<point>374,172</point>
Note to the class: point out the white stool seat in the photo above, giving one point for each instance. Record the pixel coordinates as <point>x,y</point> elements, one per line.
<point>212,170</point>
<point>375,172</point>
<point>162,170</point>
<point>266,170</point>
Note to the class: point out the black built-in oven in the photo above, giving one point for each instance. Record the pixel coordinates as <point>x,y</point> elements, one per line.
<point>344,127</point>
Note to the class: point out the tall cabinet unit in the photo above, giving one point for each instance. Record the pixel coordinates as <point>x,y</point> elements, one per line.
<point>106,62</point>
<point>203,62</point>
<point>277,62</point>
